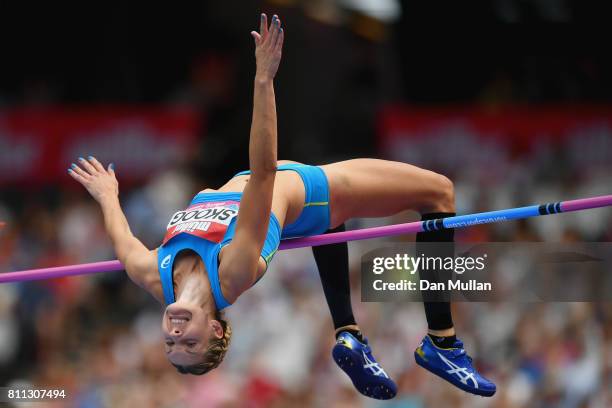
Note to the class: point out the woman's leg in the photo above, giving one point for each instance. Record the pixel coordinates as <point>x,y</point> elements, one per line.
<point>351,351</point>
<point>333,265</point>
<point>378,188</point>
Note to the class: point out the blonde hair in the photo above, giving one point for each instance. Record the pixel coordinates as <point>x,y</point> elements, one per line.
<point>215,352</point>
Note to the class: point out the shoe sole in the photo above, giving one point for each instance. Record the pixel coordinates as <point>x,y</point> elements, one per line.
<point>460,385</point>
<point>351,365</point>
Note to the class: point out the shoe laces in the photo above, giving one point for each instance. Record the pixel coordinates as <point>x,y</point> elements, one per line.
<point>460,352</point>
<point>367,349</point>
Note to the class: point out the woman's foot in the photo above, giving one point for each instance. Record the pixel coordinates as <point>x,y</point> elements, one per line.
<point>454,365</point>
<point>356,360</point>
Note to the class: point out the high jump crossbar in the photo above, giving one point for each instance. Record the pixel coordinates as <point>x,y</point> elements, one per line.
<point>460,221</point>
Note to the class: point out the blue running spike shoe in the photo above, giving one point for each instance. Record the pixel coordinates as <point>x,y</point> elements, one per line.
<point>454,365</point>
<point>356,359</point>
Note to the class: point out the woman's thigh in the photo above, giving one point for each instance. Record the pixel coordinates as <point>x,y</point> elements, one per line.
<point>380,188</point>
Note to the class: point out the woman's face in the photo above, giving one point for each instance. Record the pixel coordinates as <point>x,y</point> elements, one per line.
<point>187,331</point>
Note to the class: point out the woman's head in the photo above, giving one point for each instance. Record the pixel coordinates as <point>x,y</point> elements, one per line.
<point>196,340</point>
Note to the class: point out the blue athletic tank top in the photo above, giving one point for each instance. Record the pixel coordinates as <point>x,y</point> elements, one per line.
<point>206,226</point>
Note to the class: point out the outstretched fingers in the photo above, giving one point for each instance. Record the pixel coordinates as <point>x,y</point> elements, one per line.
<point>280,40</point>
<point>97,165</point>
<point>274,31</point>
<point>256,37</point>
<point>76,173</point>
<point>269,36</point>
<point>76,169</point>
<point>263,26</point>
<point>268,49</point>
<point>88,167</point>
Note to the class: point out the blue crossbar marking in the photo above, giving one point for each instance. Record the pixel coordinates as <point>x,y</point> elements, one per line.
<point>491,216</point>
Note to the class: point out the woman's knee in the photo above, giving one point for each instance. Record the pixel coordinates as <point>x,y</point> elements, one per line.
<point>442,197</point>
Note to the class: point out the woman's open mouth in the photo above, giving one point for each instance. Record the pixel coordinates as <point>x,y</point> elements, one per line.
<point>178,314</point>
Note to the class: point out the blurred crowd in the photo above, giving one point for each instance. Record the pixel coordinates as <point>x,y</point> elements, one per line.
<point>99,338</point>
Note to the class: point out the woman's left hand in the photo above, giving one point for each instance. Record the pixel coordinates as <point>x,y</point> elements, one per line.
<point>268,47</point>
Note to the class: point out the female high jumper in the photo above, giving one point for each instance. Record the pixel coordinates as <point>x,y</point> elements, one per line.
<point>221,245</point>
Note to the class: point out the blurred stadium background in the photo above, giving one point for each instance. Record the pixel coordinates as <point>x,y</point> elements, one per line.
<point>514,115</point>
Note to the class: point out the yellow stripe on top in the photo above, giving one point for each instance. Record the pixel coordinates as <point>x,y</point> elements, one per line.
<point>316,203</point>
<point>269,257</point>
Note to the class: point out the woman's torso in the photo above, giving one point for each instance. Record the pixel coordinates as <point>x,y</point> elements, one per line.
<point>287,202</point>
<point>288,197</point>
<point>287,205</point>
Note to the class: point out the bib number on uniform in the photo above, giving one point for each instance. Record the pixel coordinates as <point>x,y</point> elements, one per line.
<point>207,220</point>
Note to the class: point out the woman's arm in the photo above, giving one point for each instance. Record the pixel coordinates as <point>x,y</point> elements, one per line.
<point>102,184</point>
<point>242,255</point>
<point>262,143</point>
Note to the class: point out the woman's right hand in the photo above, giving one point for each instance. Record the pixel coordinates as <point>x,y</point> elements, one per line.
<point>268,47</point>
<point>99,182</point>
